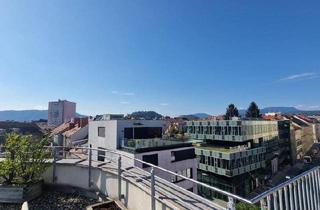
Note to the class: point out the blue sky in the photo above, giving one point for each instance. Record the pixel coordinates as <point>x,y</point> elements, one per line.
<point>171,56</point>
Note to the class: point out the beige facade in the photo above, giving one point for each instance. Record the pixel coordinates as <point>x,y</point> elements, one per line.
<point>61,111</point>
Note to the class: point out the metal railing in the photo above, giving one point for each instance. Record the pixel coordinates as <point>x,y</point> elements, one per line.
<point>147,143</point>
<point>299,193</point>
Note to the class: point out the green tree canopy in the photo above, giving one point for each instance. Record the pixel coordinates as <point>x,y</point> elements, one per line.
<point>232,111</point>
<point>25,159</point>
<point>245,206</point>
<point>253,111</point>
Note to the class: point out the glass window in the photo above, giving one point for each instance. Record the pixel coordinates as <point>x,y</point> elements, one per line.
<point>102,131</point>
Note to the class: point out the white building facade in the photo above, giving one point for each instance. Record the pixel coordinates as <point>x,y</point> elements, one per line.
<point>142,139</point>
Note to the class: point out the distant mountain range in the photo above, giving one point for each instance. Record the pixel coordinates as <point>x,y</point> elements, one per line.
<point>242,112</point>
<point>147,115</point>
<point>201,115</point>
<point>25,115</point>
<point>33,115</point>
<point>285,110</point>
<point>195,116</point>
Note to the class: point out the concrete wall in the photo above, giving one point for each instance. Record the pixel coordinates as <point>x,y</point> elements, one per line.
<point>69,111</point>
<point>308,137</point>
<point>80,134</point>
<point>107,142</point>
<point>135,197</point>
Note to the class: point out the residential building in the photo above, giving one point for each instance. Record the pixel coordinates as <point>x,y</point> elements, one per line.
<point>308,131</point>
<point>143,140</point>
<point>74,132</point>
<point>316,121</point>
<point>61,111</point>
<point>303,133</point>
<point>297,151</point>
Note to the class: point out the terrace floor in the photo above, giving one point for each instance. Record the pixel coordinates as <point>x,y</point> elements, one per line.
<point>54,200</point>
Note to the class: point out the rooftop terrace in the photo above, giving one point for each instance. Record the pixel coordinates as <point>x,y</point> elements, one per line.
<point>139,189</point>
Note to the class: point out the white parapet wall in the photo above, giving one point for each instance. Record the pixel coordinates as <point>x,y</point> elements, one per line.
<point>105,181</point>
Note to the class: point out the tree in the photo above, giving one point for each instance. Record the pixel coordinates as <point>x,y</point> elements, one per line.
<point>232,111</point>
<point>253,111</point>
<point>146,115</point>
<point>25,159</point>
<point>245,206</point>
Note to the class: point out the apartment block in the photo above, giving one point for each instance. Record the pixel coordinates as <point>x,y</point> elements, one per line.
<point>61,111</point>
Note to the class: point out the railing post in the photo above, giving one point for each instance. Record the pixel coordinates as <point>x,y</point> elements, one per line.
<point>54,164</point>
<point>299,182</point>
<point>231,204</point>
<point>25,206</point>
<point>307,192</point>
<point>317,176</point>
<point>295,196</point>
<point>315,194</point>
<point>304,193</point>
<point>90,166</point>
<point>263,205</point>
<point>291,196</point>
<point>153,190</point>
<point>275,202</point>
<point>286,199</point>
<point>311,191</point>
<point>280,199</point>
<point>269,202</point>
<point>119,178</point>
<point>317,186</point>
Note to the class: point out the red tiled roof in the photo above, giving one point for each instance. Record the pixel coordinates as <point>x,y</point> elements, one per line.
<point>60,129</point>
<point>72,131</point>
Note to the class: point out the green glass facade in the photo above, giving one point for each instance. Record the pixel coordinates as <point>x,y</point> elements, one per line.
<point>235,155</point>
<point>231,163</point>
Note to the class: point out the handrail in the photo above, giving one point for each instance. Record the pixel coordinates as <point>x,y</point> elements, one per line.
<point>165,170</point>
<point>228,194</point>
<point>159,178</point>
<point>282,185</point>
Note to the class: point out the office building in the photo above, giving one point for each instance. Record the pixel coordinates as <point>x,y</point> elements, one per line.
<point>233,151</point>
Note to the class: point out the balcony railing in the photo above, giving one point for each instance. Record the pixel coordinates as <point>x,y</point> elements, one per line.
<point>148,143</point>
<point>299,193</point>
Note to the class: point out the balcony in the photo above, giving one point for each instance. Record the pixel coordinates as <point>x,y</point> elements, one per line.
<point>136,144</point>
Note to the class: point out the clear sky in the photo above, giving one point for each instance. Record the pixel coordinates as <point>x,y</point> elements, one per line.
<point>171,56</point>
